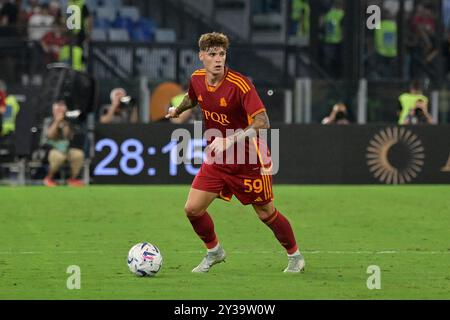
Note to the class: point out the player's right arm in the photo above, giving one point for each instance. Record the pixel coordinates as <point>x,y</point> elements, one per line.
<point>186,104</point>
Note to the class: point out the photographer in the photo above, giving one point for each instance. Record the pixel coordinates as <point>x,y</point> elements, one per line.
<point>408,99</point>
<point>122,109</point>
<point>419,114</point>
<point>338,115</point>
<point>58,134</point>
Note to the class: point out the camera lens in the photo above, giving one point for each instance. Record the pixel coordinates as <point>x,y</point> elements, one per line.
<point>126,99</point>
<point>72,114</point>
<point>127,102</point>
<point>340,115</point>
<point>418,111</point>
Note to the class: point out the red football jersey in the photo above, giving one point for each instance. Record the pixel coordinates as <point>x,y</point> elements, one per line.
<point>231,104</point>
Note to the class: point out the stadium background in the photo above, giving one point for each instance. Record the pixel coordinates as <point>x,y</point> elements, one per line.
<point>150,49</point>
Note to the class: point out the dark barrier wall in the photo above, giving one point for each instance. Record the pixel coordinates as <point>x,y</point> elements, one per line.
<point>308,154</point>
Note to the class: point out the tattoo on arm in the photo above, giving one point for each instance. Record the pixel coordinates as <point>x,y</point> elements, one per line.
<point>260,121</point>
<point>186,104</point>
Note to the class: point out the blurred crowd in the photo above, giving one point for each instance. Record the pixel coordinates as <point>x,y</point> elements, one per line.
<point>44,24</point>
<point>422,40</point>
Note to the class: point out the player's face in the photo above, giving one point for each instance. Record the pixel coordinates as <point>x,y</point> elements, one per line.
<point>214,60</point>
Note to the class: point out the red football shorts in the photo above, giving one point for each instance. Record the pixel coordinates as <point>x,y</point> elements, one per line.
<point>244,181</point>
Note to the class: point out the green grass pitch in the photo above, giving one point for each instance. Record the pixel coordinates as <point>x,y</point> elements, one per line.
<point>342,230</point>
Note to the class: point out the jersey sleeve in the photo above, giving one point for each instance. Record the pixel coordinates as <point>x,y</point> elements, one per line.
<point>252,102</point>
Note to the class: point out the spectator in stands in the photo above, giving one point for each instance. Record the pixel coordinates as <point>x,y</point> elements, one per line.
<point>83,34</point>
<point>40,23</point>
<point>338,115</point>
<point>424,48</point>
<point>333,36</point>
<point>72,54</point>
<point>407,100</point>
<point>300,18</point>
<point>419,114</point>
<point>55,10</point>
<point>119,111</point>
<point>9,13</point>
<point>58,134</point>
<point>52,42</point>
<point>30,7</point>
<point>386,45</point>
<point>9,108</point>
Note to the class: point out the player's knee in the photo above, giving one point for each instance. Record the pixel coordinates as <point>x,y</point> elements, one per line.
<point>263,214</point>
<point>192,210</point>
<point>265,211</point>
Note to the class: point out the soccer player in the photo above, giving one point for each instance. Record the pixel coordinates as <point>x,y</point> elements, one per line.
<point>229,101</point>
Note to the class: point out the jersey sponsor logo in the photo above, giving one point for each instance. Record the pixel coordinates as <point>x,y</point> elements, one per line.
<point>223,102</point>
<point>216,117</point>
<point>258,199</point>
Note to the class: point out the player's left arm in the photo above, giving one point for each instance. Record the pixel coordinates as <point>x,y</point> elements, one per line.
<point>260,122</point>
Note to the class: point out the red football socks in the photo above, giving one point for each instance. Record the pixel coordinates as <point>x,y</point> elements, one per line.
<point>282,230</point>
<point>204,227</point>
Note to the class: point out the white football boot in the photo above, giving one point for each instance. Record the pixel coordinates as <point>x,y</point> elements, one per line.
<point>209,260</point>
<point>296,263</point>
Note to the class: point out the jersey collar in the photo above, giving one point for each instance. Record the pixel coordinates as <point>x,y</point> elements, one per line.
<point>214,88</point>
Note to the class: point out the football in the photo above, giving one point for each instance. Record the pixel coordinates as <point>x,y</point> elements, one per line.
<point>144,259</point>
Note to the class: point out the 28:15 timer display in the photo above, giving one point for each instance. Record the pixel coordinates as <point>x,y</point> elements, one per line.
<point>136,159</point>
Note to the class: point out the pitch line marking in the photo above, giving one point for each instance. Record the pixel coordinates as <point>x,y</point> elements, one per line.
<point>57,252</point>
<point>342,252</point>
<point>247,252</point>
